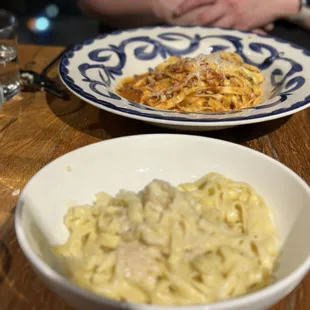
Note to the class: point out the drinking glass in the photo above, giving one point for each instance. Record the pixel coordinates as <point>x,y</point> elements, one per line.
<point>9,69</point>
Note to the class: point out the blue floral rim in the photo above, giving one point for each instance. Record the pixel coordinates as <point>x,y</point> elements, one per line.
<point>175,117</point>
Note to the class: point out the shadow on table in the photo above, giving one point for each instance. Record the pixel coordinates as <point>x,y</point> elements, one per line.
<point>119,126</point>
<point>20,286</point>
<point>101,124</point>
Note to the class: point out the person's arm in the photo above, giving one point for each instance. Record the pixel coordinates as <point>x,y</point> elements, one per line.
<point>237,14</point>
<point>121,13</point>
<point>134,13</point>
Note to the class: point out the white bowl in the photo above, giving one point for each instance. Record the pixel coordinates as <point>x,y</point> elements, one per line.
<point>131,163</point>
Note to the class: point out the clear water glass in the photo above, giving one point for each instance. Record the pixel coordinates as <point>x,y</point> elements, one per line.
<point>9,68</point>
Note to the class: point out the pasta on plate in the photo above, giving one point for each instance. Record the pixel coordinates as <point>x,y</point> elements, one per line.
<point>217,82</point>
<point>202,242</point>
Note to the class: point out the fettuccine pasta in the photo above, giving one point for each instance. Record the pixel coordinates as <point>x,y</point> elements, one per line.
<point>202,242</point>
<point>207,83</point>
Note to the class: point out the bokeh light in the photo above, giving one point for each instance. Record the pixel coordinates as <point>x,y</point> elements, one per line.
<point>52,10</point>
<point>31,24</point>
<point>42,24</point>
<point>39,24</point>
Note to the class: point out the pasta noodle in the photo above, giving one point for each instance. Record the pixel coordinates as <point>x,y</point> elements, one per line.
<point>207,83</point>
<point>202,242</point>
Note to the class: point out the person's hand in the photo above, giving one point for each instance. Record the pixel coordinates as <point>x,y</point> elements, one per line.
<point>264,30</point>
<point>237,14</point>
<point>165,10</point>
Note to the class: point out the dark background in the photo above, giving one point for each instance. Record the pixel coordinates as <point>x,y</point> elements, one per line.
<point>68,27</point>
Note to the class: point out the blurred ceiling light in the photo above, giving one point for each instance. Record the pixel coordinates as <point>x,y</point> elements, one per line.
<point>41,24</point>
<point>52,10</point>
<point>31,24</point>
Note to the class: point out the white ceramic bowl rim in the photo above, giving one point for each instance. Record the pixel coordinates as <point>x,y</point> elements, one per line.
<point>45,269</point>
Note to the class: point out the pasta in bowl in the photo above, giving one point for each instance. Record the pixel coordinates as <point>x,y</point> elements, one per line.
<point>93,70</point>
<point>218,82</point>
<point>202,242</point>
<point>133,162</point>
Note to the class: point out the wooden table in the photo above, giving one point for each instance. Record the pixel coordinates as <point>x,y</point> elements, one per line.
<point>36,128</point>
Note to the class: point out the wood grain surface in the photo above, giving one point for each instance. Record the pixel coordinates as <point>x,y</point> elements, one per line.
<point>36,128</point>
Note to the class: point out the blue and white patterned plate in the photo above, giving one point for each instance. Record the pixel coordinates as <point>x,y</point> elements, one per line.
<point>91,70</point>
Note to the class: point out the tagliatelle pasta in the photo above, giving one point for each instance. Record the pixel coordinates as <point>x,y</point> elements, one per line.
<point>207,83</point>
<point>199,243</point>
